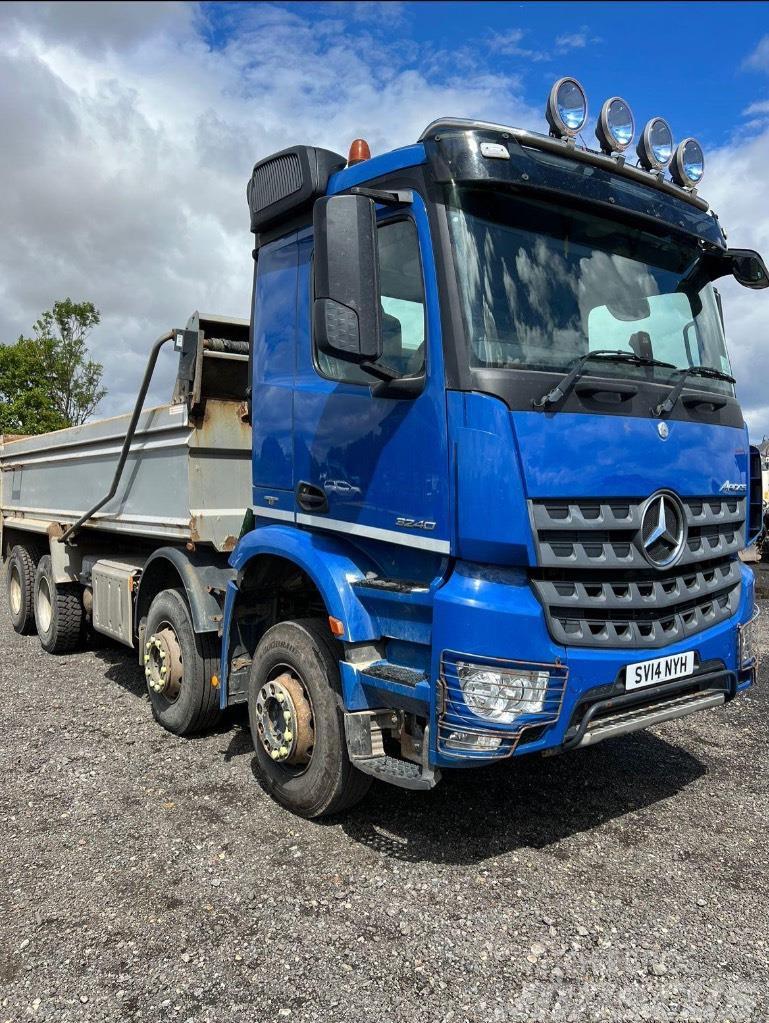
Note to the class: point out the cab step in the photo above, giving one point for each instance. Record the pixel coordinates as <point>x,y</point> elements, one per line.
<point>363,730</point>
<point>397,772</point>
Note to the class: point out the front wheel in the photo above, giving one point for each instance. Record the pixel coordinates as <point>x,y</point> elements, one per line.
<point>179,665</point>
<point>297,724</point>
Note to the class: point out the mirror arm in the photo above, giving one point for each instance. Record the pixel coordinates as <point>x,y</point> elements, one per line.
<point>403,387</point>
<point>394,198</point>
<point>379,370</point>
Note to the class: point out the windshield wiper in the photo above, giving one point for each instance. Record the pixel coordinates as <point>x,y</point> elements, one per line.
<point>560,391</point>
<point>666,407</point>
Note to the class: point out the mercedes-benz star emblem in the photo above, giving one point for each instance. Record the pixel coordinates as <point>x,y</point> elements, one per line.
<point>663,529</point>
<point>663,430</point>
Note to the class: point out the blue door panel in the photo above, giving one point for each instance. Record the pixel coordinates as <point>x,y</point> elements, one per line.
<point>377,459</point>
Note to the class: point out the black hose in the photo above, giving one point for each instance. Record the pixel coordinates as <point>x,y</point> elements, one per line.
<point>128,437</point>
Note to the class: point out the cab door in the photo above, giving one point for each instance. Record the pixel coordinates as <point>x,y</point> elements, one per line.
<point>368,466</point>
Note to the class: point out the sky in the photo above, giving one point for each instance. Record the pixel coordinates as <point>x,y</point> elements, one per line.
<point>129,131</point>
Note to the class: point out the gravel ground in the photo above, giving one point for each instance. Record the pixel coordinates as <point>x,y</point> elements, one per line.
<point>146,877</point>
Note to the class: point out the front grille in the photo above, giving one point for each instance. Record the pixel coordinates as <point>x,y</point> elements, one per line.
<point>598,589</point>
<point>602,534</point>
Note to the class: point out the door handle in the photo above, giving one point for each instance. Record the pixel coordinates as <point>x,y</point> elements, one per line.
<point>311,498</point>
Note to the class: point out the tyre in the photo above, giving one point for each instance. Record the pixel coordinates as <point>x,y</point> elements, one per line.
<point>297,724</point>
<point>59,614</point>
<point>178,667</point>
<point>20,586</point>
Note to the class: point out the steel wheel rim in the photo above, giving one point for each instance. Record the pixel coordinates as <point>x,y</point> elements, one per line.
<point>15,590</point>
<point>44,608</point>
<point>163,663</point>
<point>285,720</point>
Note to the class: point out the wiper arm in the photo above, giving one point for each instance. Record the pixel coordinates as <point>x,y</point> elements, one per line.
<point>560,391</point>
<point>666,407</point>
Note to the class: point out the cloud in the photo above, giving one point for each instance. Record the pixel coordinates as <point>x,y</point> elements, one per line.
<point>572,41</point>
<point>509,45</point>
<point>758,60</point>
<point>129,131</point>
<point>132,131</point>
<point>736,187</point>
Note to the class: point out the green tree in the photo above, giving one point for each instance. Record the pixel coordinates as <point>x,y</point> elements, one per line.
<point>50,381</point>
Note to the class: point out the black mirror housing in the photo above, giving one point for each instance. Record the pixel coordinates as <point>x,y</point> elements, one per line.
<point>347,321</point>
<point>748,268</point>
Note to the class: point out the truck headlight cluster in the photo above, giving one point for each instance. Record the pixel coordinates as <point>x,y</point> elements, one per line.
<point>500,695</point>
<point>566,114</point>
<point>748,642</point>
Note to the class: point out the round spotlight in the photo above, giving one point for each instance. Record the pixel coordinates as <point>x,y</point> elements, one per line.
<point>655,146</point>
<point>616,127</point>
<point>688,166</point>
<point>566,108</point>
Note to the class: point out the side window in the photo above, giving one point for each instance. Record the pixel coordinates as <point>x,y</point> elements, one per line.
<point>402,300</point>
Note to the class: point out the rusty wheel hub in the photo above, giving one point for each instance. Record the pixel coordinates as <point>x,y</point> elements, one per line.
<point>284,720</point>
<point>163,663</point>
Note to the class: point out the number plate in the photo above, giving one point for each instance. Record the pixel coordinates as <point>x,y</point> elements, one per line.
<point>663,669</point>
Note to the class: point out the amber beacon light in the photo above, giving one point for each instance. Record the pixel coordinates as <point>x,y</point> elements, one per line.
<point>359,151</point>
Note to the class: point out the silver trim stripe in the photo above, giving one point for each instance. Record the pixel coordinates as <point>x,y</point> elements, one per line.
<point>355,529</point>
<point>374,533</point>
<point>274,513</point>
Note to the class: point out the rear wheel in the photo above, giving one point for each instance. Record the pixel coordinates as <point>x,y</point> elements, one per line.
<point>59,613</point>
<point>20,586</point>
<point>178,667</point>
<point>297,724</point>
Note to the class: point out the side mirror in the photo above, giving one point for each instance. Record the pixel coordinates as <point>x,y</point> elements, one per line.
<point>347,321</point>
<point>748,268</point>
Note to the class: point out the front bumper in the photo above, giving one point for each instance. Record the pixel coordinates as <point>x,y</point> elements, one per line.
<point>492,613</point>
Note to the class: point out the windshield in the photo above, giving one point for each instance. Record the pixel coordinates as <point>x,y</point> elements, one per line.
<point>542,285</point>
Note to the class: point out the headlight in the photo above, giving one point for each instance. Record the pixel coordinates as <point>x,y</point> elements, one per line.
<point>748,642</point>
<point>502,695</point>
<point>655,146</point>
<point>566,110</point>
<point>688,166</point>
<point>615,128</point>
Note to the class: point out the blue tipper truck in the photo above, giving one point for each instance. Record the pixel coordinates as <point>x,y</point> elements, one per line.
<point>471,484</point>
